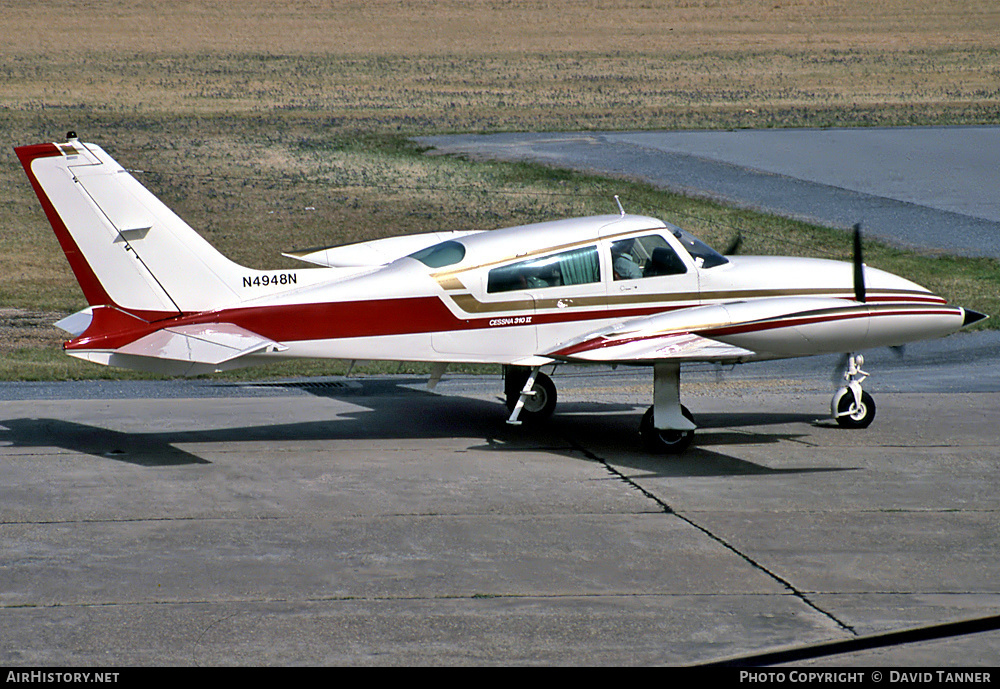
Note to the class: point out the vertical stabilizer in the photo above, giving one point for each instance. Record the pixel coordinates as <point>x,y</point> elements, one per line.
<point>126,248</point>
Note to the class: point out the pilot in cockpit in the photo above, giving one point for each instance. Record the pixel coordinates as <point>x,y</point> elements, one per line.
<point>623,263</point>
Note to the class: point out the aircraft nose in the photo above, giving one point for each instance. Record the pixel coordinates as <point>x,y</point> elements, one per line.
<point>972,317</point>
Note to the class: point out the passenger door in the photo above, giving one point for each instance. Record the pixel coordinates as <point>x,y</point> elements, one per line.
<point>565,288</point>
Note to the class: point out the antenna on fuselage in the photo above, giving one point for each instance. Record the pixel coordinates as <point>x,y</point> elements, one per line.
<point>619,202</point>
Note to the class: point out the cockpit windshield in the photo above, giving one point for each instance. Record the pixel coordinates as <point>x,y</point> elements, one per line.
<point>703,255</point>
<point>440,255</point>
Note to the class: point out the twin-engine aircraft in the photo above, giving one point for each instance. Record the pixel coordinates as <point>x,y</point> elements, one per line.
<point>610,289</point>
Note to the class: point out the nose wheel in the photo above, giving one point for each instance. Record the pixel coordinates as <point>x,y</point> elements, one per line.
<point>852,407</point>
<point>851,412</point>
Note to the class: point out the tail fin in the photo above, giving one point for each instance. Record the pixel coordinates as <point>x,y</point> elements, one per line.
<point>126,248</point>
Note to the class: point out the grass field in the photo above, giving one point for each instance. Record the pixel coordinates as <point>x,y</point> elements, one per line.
<point>274,126</point>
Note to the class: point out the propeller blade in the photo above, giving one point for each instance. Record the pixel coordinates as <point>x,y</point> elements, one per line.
<point>859,267</point>
<point>734,245</point>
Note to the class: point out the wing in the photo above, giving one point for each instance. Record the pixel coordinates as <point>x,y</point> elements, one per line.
<point>758,329</point>
<point>764,328</point>
<point>680,335</point>
<point>648,347</point>
<point>654,338</point>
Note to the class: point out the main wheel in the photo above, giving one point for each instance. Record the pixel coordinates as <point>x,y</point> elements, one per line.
<point>537,407</point>
<point>665,441</point>
<point>861,417</point>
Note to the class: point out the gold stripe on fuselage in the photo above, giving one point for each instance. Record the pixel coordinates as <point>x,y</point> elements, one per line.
<point>450,283</point>
<point>470,304</point>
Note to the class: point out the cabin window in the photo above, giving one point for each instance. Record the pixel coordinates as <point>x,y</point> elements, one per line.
<point>644,257</point>
<point>576,267</point>
<point>440,255</point>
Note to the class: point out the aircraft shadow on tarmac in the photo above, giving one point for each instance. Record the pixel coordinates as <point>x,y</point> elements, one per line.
<point>595,430</point>
<point>383,410</point>
<point>142,449</point>
<point>614,438</point>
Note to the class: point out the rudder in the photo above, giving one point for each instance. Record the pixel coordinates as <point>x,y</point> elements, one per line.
<point>126,248</point>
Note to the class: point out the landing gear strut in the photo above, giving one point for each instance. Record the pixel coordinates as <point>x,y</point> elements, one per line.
<point>530,394</point>
<point>852,407</point>
<point>667,427</point>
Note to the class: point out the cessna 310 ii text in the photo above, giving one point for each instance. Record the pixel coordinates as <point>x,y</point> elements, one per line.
<point>612,289</point>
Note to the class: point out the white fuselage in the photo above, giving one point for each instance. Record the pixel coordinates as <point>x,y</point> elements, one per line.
<point>407,310</point>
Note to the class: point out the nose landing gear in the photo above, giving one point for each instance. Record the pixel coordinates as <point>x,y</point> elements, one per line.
<point>852,407</point>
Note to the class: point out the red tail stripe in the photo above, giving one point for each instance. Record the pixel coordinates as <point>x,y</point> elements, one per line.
<point>93,291</point>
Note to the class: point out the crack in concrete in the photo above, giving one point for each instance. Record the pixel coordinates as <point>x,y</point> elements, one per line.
<point>667,509</point>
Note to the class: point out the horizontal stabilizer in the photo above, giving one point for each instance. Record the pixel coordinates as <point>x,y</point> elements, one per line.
<point>77,323</point>
<point>210,343</point>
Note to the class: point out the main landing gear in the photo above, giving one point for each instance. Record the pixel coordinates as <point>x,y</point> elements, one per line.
<point>852,407</point>
<point>530,394</point>
<point>668,426</point>
<point>666,441</point>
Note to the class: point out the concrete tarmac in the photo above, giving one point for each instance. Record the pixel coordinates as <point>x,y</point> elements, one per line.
<point>367,521</point>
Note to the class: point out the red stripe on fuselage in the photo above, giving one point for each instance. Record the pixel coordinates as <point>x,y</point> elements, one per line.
<point>403,316</point>
<point>301,322</point>
<point>792,321</point>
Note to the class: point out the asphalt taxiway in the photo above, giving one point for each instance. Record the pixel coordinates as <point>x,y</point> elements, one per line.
<point>929,188</point>
<point>370,521</point>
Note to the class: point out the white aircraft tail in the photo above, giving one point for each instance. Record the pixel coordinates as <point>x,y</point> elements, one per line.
<point>126,248</point>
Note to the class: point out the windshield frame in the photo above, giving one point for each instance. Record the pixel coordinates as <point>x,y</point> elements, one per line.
<point>703,256</point>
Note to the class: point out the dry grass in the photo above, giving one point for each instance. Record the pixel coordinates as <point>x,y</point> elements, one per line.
<point>476,27</point>
<point>421,66</point>
<point>567,90</point>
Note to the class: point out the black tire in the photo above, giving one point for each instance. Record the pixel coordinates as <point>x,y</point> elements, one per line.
<point>862,416</point>
<point>665,442</point>
<point>537,407</point>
